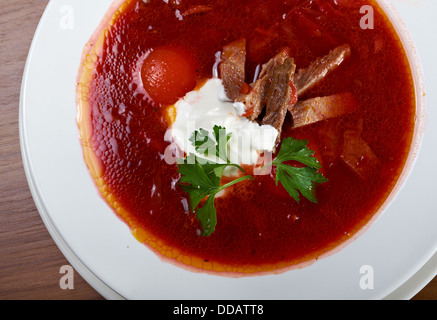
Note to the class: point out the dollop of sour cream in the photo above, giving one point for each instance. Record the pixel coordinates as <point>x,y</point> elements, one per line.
<point>208,107</point>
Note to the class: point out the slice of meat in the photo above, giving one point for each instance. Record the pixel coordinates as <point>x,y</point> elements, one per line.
<point>329,138</point>
<point>281,95</point>
<point>256,99</point>
<point>357,154</point>
<point>318,109</point>
<point>277,60</point>
<point>306,79</point>
<point>232,68</point>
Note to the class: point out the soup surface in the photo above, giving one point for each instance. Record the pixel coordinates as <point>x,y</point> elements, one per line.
<point>124,117</point>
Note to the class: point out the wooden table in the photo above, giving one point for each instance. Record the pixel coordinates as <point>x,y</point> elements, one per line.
<point>30,261</point>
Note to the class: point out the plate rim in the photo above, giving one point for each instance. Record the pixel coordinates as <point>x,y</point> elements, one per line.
<point>91,278</point>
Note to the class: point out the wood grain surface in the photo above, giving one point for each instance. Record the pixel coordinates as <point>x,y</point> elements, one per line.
<point>30,261</point>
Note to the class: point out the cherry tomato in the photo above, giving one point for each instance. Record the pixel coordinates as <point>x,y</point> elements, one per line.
<point>168,74</point>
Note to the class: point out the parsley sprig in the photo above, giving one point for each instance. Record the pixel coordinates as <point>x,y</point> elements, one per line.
<point>298,179</point>
<point>202,181</point>
<point>203,142</point>
<point>201,178</point>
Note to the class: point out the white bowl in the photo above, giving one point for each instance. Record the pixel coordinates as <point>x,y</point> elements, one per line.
<point>102,249</point>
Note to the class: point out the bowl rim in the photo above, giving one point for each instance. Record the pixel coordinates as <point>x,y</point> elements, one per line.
<point>414,64</point>
<point>417,73</point>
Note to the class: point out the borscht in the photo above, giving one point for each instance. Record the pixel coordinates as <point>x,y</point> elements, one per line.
<point>245,137</point>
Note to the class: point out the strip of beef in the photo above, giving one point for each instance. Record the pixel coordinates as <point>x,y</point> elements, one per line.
<point>232,68</point>
<point>304,80</point>
<point>357,154</point>
<point>281,95</point>
<point>307,78</point>
<point>278,88</point>
<point>256,99</point>
<point>322,108</point>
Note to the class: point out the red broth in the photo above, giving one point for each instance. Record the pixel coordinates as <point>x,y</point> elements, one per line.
<point>260,228</point>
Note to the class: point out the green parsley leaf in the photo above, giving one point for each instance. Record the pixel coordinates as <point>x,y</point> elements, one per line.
<point>298,179</point>
<point>203,181</point>
<point>207,216</point>
<point>201,178</point>
<point>202,142</point>
<point>206,145</point>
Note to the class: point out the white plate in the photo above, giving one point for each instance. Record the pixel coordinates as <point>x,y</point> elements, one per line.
<point>101,248</point>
